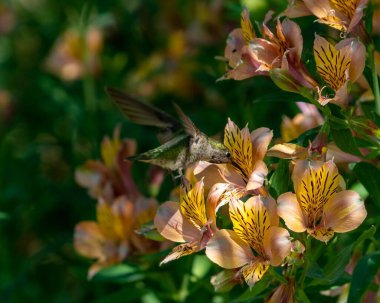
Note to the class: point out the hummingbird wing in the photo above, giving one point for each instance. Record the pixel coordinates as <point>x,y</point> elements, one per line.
<point>187,124</point>
<point>145,114</point>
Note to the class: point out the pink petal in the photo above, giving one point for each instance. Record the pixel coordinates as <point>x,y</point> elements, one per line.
<point>345,211</point>
<point>319,8</point>
<point>173,226</point>
<point>234,46</point>
<point>227,250</point>
<point>293,37</point>
<point>277,244</point>
<point>263,52</point>
<point>290,211</point>
<point>271,206</point>
<point>260,138</point>
<point>358,15</point>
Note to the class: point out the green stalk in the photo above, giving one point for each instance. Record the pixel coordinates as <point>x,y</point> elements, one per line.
<point>375,79</point>
<point>306,264</point>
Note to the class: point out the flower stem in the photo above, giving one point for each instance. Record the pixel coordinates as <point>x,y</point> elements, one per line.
<point>375,79</point>
<point>306,263</point>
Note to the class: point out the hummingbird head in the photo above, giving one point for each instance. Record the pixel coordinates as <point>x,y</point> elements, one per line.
<point>219,153</point>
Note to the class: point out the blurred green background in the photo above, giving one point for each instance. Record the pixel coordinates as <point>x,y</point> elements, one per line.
<point>56,58</point>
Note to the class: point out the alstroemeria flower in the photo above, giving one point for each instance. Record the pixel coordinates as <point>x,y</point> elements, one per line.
<point>249,56</point>
<point>320,206</point>
<point>343,15</point>
<point>248,170</point>
<point>255,243</point>
<point>184,222</point>
<point>111,238</point>
<point>110,177</point>
<point>284,293</point>
<point>338,65</point>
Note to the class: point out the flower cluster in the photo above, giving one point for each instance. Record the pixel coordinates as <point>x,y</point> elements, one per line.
<point>121,209</point>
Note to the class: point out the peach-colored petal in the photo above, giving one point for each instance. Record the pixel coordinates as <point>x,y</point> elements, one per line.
<point>296,8</point>
<point>254,271</point>
<point>339,156</point>
<point>271,206</point>
<point>277,244</point>
<point>288,151</point>
<point>180,251</point>
<point>264,52</point>
<point>211,173</point>
<point>173,226</point>
<point>358,15</point>
<point>358,53</point>
<point>257,177</point>
<point>227,250</point>
<point>344,212</point>
<point>214,198</point>
<point>319,8</point>
<point>260,138</point>
<point>293,38</point>
<point>89,240</point>
<point>290,211</point>
<point>233,50</point>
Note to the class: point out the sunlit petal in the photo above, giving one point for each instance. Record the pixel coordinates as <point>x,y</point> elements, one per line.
<point>250,221</point>
<point>344,212</point>
<point>277,244</point>
<point>240,146</point>
<point>192,204</point>
<point>258,175</point>
<point>271,206</point>
<point>260,138</point>
<point>290,211</point>
<point>316,188</point>
<point>172,225</point>
<point>228,250</point>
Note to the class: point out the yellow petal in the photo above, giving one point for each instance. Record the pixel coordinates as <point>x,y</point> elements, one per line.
<point>321,233</point>
<point>250,221</point>
<point>290,211</point>
<point>317,186</point>
<point>332,64</point>
<point>240,146</point>
<point>254,271</point>
<point>180,251</point>
<point>228,250</point>
<point>192,204</point>
<point>345,211</point>
<point>115,220</point>
<point>246,26</point>
<point>347,7</point>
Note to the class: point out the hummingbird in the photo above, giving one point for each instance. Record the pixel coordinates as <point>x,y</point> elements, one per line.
<point>182,143</point>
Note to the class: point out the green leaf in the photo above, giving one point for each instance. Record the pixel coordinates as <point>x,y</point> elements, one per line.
<point>363,275</point>
<point>369,176</point>
<point>120,273</point>
<point>259,287</point>
<point>301,296</point>
<point>201,266</point>
<point>345,141</point>
<point>281,178</point>
<point>369,233</point>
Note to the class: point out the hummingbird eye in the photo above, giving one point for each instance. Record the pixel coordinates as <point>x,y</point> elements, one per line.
<point>228,155</point>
